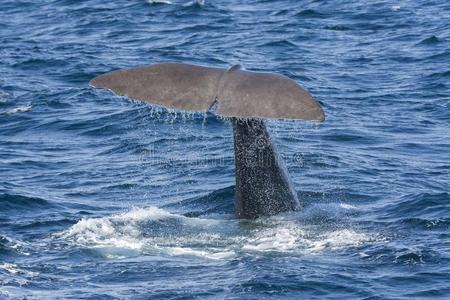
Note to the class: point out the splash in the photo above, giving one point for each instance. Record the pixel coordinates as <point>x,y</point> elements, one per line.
<point>120,231</point>
<point>157,232</point>
<point>142,231</point>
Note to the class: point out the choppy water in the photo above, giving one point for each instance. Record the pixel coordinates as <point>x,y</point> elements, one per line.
<point>101,197</point>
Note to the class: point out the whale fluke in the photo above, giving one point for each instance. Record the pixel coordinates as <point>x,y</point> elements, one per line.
<point>180,86</point>
<point>263,185</point>
<point>237,93</point>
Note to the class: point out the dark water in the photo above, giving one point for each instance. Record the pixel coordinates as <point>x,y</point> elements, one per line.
<point>101,197</point>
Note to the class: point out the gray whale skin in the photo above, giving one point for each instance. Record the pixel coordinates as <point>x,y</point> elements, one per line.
<point>263,185</point>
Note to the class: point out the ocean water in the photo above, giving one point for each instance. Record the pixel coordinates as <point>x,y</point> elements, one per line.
<point>105,198</point>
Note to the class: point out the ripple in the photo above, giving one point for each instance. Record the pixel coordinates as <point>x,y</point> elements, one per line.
<point>439,75</point>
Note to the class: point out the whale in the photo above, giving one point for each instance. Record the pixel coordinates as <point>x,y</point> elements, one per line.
<point>263,186</point>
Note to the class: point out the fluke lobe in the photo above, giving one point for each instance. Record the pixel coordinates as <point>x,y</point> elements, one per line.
<point>263,185</point>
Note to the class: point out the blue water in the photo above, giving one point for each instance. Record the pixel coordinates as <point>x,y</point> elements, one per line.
<point>102,197</point>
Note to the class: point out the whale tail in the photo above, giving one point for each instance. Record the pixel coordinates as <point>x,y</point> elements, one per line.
<point>263,186</point>
<point>237,93</point>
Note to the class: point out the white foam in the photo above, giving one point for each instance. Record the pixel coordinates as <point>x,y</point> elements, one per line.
<point>293,237</point>
<point>121,236</point>
<point>159,1</point>
<point>195,2</point>
<point>281,238</point>
<point>210,253</point>
<point>142,214</point>
<point>15,270</point>
<point>154,231</point>
<point>11,268</point>
<point>120,231</point>
<point>19,109</point>
<point>347,206</point>
<point>339,239</point>
<point>325,211</point>
<point>18,245</point>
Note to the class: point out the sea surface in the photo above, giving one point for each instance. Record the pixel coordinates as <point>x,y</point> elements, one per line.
<point>102,197</point>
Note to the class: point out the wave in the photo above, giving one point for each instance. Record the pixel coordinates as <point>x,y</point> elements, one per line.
<point>432,40</point>
<point>159,2</point>
<point>13,274</point>
<point>47,224</point>
<point>280,44</point>
<point>15,270</point>
<point>393,250</point>
<point>428,224</point>
<point>195,3</point>
<point>186,5</point>
<point>19,109</point>
<point>339,27</point>
<point>3,96</point>
<point>140,230</point>
<point>310,13</point>
<point>421,205</point>
<point>10,246</point>
<point>219,201</point>
<point>19,202</point>
<point>439,75</point>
